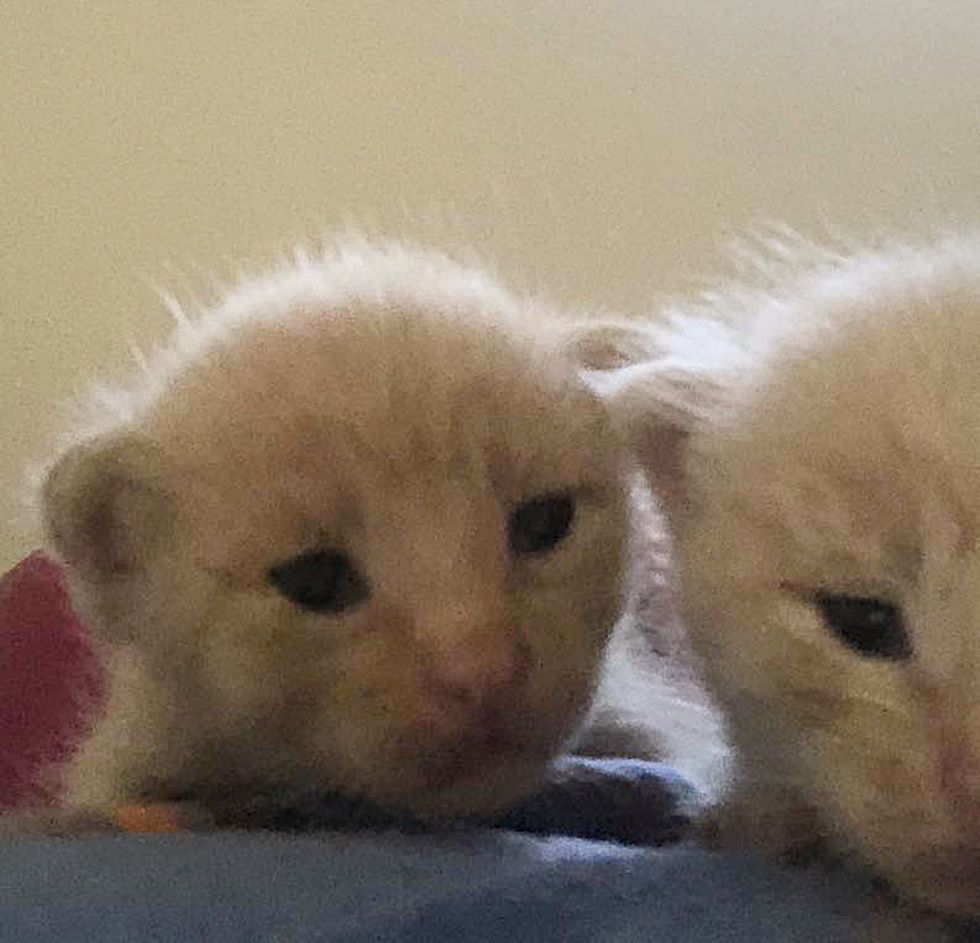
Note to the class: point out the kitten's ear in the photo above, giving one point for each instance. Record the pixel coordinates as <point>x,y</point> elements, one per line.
<point>656,405</point>
<point>107,513</point>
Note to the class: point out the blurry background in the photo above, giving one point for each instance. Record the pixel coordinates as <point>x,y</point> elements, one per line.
<point>603,151</point>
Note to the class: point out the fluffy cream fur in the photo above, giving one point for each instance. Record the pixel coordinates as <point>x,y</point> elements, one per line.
<point>396,407</point>
<point>820,434</point>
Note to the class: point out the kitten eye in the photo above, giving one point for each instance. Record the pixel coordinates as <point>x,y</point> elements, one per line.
<point>871,627</point>
<point>539,525</point>
<point>320,581</point>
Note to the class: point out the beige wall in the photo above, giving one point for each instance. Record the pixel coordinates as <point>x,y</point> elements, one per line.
<point>602,149</point>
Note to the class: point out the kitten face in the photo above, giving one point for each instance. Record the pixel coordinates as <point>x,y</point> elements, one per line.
<point>833,575</point>
<point>390,553</point>
<point>826,523</point>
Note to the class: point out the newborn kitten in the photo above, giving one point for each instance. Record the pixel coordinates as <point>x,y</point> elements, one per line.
<point>361,531</point>
<point>816,445</point>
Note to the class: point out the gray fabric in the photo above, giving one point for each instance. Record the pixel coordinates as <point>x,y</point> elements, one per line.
<point>381,886</point>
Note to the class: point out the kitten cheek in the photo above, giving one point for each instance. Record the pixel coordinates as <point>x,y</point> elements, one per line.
<point>237,678</point>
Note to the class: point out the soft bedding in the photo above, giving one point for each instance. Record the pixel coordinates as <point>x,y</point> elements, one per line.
<point>356,887</point>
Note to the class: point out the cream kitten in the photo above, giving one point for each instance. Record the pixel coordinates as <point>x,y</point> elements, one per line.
<point>816,444</point>
<point>361,530</point>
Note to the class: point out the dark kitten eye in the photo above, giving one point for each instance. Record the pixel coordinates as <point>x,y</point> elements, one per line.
<point>538,525</point>
<point>320,581</point>
<point>871,627</point>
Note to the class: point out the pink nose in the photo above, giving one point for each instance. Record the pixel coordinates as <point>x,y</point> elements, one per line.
<point>474,653</point>
<point>482,684</point>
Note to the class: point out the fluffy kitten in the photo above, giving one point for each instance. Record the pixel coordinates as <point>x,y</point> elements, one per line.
<point>816,444</point>
<point>361,529</point>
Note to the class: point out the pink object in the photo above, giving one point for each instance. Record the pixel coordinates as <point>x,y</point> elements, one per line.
<point>50,679</point>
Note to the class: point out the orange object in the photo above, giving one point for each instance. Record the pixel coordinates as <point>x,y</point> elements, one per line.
<point>147,819</point>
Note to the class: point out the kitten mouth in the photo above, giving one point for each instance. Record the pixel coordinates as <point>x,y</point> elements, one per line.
<point>472,754</point>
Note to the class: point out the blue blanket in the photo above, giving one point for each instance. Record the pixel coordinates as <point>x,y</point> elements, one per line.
<point>385,883</point>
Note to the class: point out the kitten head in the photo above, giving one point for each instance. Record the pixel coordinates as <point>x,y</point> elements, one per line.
<point>362,532</point>
<point>817,448</point>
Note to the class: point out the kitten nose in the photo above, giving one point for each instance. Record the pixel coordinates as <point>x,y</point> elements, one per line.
<point>476,661</point>
<point>483,681</point>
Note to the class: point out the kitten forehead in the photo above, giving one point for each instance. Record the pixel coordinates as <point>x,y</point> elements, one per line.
<point>374,373</point>
<point>392,382</point>
<point>803,294</point>
<point>864,411</point>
